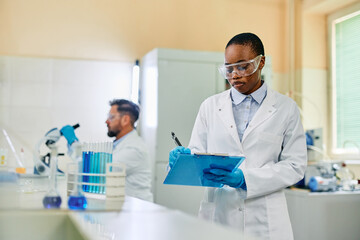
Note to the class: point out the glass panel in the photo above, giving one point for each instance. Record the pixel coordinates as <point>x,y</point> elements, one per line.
<point>347,39</point>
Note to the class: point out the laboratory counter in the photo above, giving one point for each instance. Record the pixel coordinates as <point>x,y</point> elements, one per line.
<point>324,215</point>
<point>22,216</point>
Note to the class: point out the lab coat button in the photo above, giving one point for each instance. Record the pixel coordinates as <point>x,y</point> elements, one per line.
<point>231,126</point>
<point>219,109</point>
<point>240,209</point>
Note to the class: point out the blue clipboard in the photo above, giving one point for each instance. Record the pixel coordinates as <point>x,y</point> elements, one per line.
<point>188,169</point>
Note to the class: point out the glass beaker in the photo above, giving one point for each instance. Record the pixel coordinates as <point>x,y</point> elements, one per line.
<point>345,175</point>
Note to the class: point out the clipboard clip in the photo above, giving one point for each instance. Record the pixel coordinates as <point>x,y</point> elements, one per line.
<point>212,154</point>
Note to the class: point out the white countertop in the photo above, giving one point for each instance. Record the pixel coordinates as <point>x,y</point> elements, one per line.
<point>23,216</point>
<point>308,193</point>
<point>142,220</point>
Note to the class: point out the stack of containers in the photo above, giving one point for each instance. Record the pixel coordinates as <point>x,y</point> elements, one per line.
<point>115,184</point>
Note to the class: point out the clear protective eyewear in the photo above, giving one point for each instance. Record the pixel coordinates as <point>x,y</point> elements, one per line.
<point>242,69</point>
<point>112,117</point>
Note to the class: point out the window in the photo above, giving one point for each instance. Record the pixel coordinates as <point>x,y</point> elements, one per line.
<point>345,76</point>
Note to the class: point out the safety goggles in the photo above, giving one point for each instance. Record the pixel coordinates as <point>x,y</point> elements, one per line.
<point>112,117</point>
<point>242,69</point>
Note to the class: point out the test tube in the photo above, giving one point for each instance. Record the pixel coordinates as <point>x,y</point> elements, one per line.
<point>97,167</point>
<point>91,167</point>
<point>83,163</point>
<point>85,156</point>
<point>103,166</point>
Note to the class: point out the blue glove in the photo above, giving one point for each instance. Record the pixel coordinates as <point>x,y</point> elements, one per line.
<point>174,154</point>
<point>69,133</point>
<point>222,174</point>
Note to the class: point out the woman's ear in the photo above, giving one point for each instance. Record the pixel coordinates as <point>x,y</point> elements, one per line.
<point>262,62</point>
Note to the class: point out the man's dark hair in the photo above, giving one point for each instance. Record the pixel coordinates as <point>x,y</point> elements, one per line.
<point>248,39</point>
<point>127,107</point>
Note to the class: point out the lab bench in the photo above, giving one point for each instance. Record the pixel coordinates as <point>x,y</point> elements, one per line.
<point>324,215</point>
<point>22,216</point>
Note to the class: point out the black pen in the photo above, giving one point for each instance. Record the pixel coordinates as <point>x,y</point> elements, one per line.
<point>177,142</point>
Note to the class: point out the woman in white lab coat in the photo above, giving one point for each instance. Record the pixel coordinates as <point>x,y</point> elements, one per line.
<point>273,144</point>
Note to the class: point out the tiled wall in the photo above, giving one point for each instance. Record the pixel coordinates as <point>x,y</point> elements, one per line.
<point>37,94</point>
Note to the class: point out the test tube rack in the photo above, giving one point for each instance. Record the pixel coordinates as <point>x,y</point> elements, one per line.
<point>108,185</point>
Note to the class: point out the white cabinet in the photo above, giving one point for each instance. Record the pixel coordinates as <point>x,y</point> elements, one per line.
<point>324,215</point>
<point>173,85</point>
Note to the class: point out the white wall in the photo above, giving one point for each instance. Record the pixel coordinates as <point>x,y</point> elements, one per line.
<point>37,94</point>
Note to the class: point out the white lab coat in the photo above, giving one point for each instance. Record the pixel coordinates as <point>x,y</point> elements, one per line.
<point>275,149</point>
<point>133,152</point>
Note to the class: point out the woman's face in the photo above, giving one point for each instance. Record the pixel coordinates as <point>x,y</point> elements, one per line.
<point>239,53</point>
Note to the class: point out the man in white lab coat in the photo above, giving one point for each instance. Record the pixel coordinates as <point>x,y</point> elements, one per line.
<point>129,148</point>
<point>254,121</point>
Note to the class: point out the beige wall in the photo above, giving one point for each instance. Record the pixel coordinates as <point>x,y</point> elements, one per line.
<point>125,30</point>
<point>314,75</point>
<point>314,41</point>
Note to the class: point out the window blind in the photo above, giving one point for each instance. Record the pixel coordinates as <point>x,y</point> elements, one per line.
<point>347,82</point>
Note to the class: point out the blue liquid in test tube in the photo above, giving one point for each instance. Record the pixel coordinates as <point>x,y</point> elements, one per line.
<point>85,161</point>
<point>91,166</point>
<point>96,167</point>
<point>102,166</point>
<point>87,166</point>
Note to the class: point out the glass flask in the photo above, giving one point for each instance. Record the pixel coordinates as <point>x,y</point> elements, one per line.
<point>77,200</point>
<point>52,198</point>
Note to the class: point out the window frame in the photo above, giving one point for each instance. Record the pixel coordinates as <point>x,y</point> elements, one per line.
<point>336,17</point>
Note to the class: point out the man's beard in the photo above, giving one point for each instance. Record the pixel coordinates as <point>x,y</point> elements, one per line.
<point>113,133</point>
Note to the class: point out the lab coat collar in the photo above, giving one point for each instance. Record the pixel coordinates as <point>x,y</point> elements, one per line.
<point>117,142</point>
<point>236,96</point>
<point>226,114</point>
<point>259,95</point>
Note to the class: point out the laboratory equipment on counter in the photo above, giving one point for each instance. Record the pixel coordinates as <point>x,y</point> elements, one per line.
<point>329,176</point>
<point>95,158</point>
<point>8,177</point>
<point>99,178</point>
<point>314,143</point>
<point>52,198</point>
<point>77,200</point>
<point>41,165</point>
<point>320,176</point>
<point>321,184</point>
<point>346,178</point>
<point>10,162</point>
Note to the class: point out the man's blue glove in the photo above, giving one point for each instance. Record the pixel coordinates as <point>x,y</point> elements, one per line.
<point>221,174</point>
<point>69,133</point>
<point>174,154</point>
